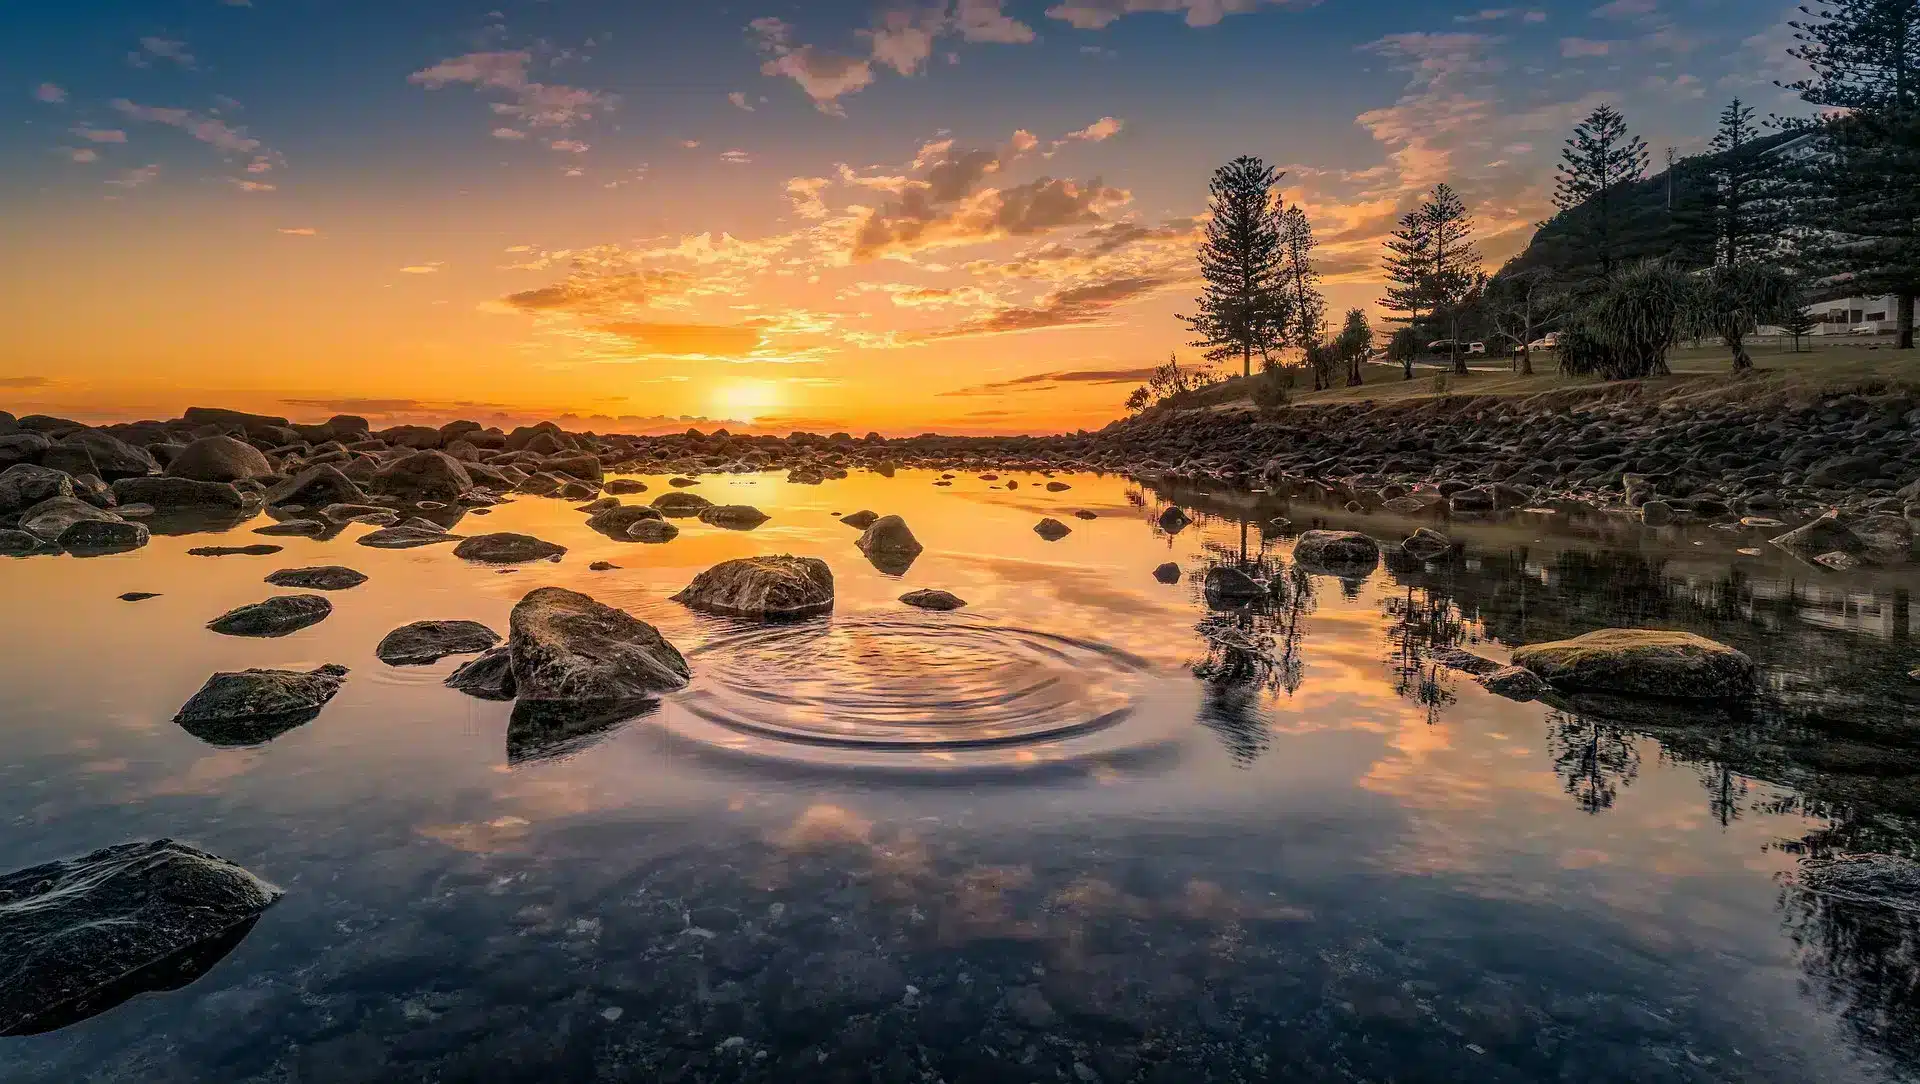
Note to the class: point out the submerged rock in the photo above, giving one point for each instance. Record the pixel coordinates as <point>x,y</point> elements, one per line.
<point>861,520</point>
<point>1426,545</point>
<point>1455,658</point>
<point>83,935</point>
<point>681,504</point>
<point>295,528</point>
<point>653,530</point>
<point>1052,529</point>
<point>623,486</point>
<point>762,588</point>
<point>1642,662</point>
<point>489,677</point>
<point>929,598</point>
<point>1824,535</point>
<point>734,517</point>
<point>507,548</point>
<point>1340,553</point>
<point>258,549</point>
<point>1058,487</point>
<point>138,596</point>
<point>1168,573</point>
<point>424,642</point>
<point>1515,683</point>
<point>249,707</point>
<point>569,648</point>
<point>277,616</point>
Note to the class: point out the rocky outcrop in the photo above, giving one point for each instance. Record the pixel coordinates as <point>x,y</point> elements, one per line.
<point>318,578</point>
<point>1642,662</point>
<point>83,935</point>
<point>219,459</point>
<point>277,616</point>
<point>507,548</point>
<point>424,642</point>
<point>762,588</point>
<point>568,648</point>
<point>929,598</point>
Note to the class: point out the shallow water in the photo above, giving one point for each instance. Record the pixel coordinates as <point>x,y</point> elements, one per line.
<point>1087,828</point>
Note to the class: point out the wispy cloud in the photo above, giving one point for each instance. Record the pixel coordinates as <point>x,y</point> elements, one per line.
<point>157,48</point>
<point>209,130</point>
<point>901,38</point>
<point>539,105</point>
<point>24,381</point>
<point>134,178</point>
<point>50,93</point>
<point>1045,381</point>
<point>1099,14</point>
<point>300,231</point>
<point>100,135</point>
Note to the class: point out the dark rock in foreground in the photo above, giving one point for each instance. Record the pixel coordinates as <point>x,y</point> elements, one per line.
<point>762,588</point>
<point>489,677</point>
<point>249,707</point>
<point>81,936</point>
<point>424,642</point>
<point>507,548</point>
<point>318,578</point>
<point>568,648</point>
<point>95,536</point>
<point>1174,520</point>
<point>1052,529</point>
<point>929,598</point>
<point>1168,573</point>
<point>276,616</point>
<point>51,518</point>
<point>1642,662</point>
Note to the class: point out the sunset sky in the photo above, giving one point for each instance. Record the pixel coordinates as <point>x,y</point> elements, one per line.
<point>970,215</point>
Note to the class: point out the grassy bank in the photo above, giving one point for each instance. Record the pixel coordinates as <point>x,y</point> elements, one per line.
<point>1866,364</point>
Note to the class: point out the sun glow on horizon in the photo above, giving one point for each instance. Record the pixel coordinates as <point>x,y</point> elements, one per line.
<point>747,400</point>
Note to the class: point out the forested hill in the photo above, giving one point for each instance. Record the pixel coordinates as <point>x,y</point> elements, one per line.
<point>1643,224</point>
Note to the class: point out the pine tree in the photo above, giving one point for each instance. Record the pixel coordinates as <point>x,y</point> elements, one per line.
<point>1453,275</point>
<point>1738,189</point>
<point>1242,309</point>
<point>1862,193</point>
<point>1599,157</point>
<point>1307,310</point>
<point>1409,269</point>
<point>1355,345</point>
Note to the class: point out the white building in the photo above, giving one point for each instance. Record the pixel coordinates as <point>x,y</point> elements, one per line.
<point>1842,315</point>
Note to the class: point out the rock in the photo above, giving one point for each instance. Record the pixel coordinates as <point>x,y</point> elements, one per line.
<point>1823,535</point>
<point>317,487</point>
<point>138,596</point>
<point>422,476</point>
<point>424,642</point>
<point>181,494</point>
<point>359,513</point>
<point>653,531</point>
<point>1058,487</point>
<point>1887,537</point>
<point>237,706</point>
<point>1052,529</point>
<point>1168,573</point>
<point>860,520</point>
<point>594,508</point>
<point>277,616</point>
<point>1028,1007</point>
<point>489,677</point>
<point>1642,662</point>
<point>1226,584</point>
<point>1406,506</point>
<point>1084,514</point>
<point>585,468</point>
<point>602,566</point>
<point>261,549</point>
<point>1838,561</point>
<point>734,517</point>
<point>1174,520</point>
<point>17,543</point>
<point>762,588</point>
<point>219,459</point>
<point>681,504</point>
<point>114,458</point>
<point>1656,513</point>
<point>1471,501</point>
<point>318,578</point>
<point>889,536</point>
<point>618,523</point>
<point>1515,683</point>
<point>1427,545</point>
<point>414,532</point>
<point>1454,658</point>
<point>103,536</point>
<point>1341,553</point>
<point>83,935</point>
<point>507,548</point>
<point>51,518</point>
<point>928,598</point>
<point>1887,880</point>
<point>568,648</point>
<point>625,486</point>
<point>295,528</point>
<point>24,485</point>
<point>16,448</point>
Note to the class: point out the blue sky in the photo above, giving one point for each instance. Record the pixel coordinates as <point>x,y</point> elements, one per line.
<point>360,201</point>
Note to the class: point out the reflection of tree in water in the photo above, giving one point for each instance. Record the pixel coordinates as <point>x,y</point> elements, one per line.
<point>1595,759</point>
<point>1865,957</point>
<point>1422,623</point>
<point>1253,652</point>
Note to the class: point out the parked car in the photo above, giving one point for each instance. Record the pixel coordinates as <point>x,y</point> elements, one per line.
<point>1549,341</point>
<point>1445,346</point>
<point>1864,329</point>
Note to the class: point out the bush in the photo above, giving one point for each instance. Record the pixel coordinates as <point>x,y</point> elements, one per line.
<point>1272,390</point>
<point>1168,383</point>
<point>1638,317</point>
<point>1731,300</point>
<point>1581,351</point>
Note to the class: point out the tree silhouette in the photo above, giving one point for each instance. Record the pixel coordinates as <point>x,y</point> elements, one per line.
<point>1242,310</point>
<point>1598,159</point>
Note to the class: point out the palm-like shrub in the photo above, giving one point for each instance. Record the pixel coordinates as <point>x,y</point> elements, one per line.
<point>1637,318</point>
<point>1730,300</point>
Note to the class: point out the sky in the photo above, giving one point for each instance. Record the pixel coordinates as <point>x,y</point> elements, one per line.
<point>956,215</point>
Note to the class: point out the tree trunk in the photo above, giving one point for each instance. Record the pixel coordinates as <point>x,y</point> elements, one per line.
<point>1742,361</point>
<point>1246,359</point>
<point>1459,360</point>
<point>1905,320</point>
<point>1526,360</point>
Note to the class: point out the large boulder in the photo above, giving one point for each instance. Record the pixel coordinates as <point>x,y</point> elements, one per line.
<point>317,487</point>
<point>50,519</point>
<point>507,548</point>
<point>1642,662</point>
<point>567,648</point>
<point>1341,553</point>
<point>422,476</point>
<point>181,494</point>
<point>424,642</point>
<point>249,707</point>
<point>24,485</point>
<point>411,436</point>
<point>277,616</point>
<point>22,448</point>
<point>889,535</point>
<point>219,459</point>
<point>586,468</point>
<point>115,458</point>
<point>83,935</point>
<point>762,588</point>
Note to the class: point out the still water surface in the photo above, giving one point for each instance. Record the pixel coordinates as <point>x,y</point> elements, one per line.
<point>1087,828</point>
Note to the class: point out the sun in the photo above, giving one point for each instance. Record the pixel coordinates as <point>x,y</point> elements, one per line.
<point>746,400</point>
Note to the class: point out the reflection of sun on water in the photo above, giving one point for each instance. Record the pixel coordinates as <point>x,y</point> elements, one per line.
<point>746,400</point>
